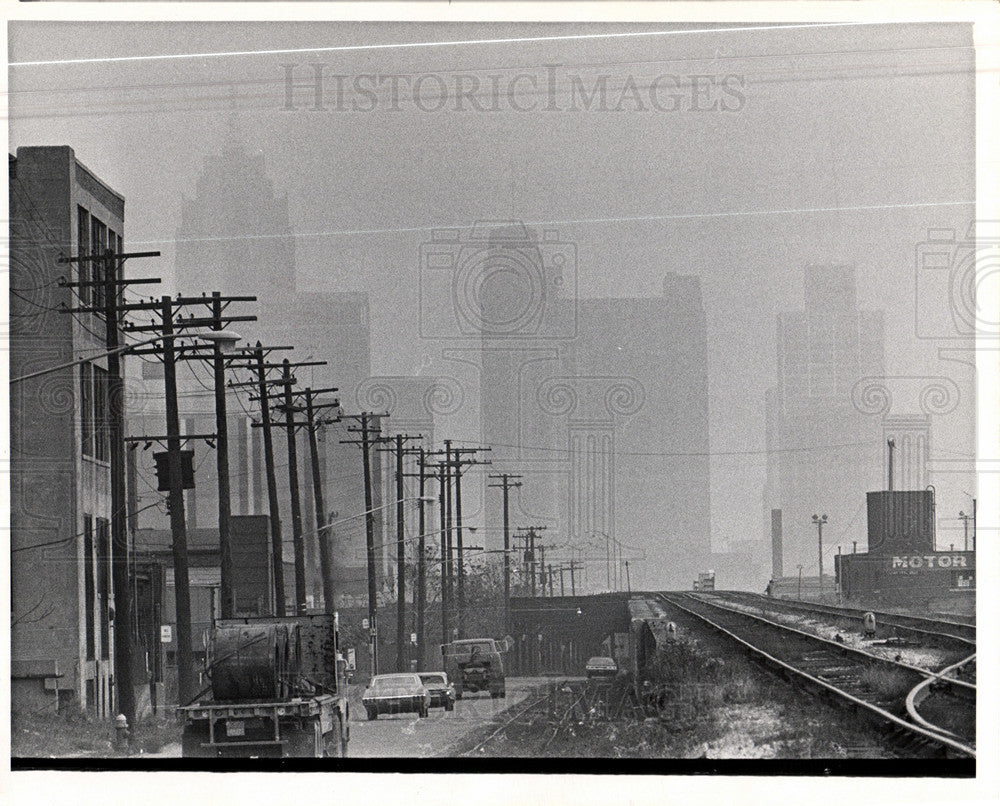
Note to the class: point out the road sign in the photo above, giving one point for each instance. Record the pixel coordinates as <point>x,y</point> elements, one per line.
<point>166,633</point>
<point>413,638</point>
<point>364,624</point>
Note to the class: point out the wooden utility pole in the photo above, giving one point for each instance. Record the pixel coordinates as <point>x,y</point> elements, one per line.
<point>298,545</point>
<point>322,528</point>
<point>112,284</point>
<point>459,463</point>
<point>401,643</point>
<point>369,436</point>
<point>277,555</point>
<point>507,481</point>
<point>178,526</point>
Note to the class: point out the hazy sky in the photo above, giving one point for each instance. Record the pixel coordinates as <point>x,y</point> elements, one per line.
<point>845,145</point>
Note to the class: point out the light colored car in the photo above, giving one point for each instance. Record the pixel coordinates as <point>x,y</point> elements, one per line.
<point>396,694</point>
<point>601,668</point>
<point>442,692</point>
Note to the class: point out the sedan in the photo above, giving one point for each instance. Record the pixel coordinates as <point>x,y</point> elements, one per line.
<point>396,694</point>
<point>442,692</point>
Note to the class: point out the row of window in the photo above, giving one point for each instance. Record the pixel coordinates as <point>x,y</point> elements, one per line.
<point>94,238</point>
<point>97,582</point>
<point>94,413</point>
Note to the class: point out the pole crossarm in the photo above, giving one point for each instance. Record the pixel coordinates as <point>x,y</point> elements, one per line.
<point>108,255</point>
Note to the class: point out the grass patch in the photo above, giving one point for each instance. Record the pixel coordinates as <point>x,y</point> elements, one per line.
<point>886,682</point>
<point>75,733</point>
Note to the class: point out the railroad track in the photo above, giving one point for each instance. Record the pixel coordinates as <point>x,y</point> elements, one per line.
<point>937,705</point>
<point>867,683</point>
<point>558,713</point>
<point>933,630</point>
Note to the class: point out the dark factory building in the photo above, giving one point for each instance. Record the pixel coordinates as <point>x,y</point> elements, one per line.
<point>901,565</point>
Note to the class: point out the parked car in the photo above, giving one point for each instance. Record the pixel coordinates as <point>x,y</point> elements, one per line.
<point>396,694</point>
<point>442,692</point>
<point>599,668</point>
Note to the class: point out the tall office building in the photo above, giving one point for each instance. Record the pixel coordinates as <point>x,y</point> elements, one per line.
<point>235,237</point>
<point>823,454</point>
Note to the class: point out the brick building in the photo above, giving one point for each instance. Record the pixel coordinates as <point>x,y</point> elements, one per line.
<point>62,641</point>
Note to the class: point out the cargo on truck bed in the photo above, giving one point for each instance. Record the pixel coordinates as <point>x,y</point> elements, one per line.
<point>278,689</point>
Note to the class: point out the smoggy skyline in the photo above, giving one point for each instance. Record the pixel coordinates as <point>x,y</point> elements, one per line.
<point>826,146</point>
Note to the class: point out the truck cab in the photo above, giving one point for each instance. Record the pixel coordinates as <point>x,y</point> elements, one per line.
<point>475,664</point>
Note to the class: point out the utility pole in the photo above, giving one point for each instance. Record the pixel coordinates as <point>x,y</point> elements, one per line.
<point>819,521</point>
<point>226,594</point>
<point>369,435</point>
<point>166,307</point>
<point>401,644</point>
<point>965,523</point>
<point>443,506</point>
<point>277,555</point>
<point>322,527</point>
<point>449,502</point>
<point>507,481</point>
<point>293,485</point>
<point>113,284</point>
<point>178,527</point>
<point>628,578</point>
<point>892,448</point>
<point>289,408</point>
<point>421,591</point>
<point>541,568</point>
<point>459,463</point>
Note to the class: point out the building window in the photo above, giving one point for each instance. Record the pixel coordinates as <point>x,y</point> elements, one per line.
<point>87,409</point>
<point>104,583</point>
<point>102,448</point>
<point>88,582</point>
<point>82,250</point>
<point>98,243</point>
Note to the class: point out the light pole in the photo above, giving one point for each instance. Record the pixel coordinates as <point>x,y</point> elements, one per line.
<point>965,524</point>
<point>800,583</point>
<point>819,520</point>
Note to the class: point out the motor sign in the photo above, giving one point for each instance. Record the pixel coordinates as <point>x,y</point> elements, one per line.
<point>928,561</point>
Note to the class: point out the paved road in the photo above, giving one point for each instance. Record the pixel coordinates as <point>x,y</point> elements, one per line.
<point>405,735</point>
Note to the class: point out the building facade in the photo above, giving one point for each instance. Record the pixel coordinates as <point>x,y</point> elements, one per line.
<point>823,452</point>
<point>62,640</point>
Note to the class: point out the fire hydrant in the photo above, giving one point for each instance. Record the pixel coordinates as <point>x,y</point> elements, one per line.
<point>121,733</point>
<point>869,624</point>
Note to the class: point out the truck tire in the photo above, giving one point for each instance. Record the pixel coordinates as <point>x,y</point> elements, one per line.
<point>305,742</point>
<point>335,746</point>
<point>193,737</point>
<point>458,692</point>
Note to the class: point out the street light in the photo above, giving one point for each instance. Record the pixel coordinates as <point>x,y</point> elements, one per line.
<point>819,520</point>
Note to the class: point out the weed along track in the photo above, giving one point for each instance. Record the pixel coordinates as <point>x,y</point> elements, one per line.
<point>845,676</point>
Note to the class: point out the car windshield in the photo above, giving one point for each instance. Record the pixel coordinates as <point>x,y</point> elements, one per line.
<point>385,684</point>
<point>433,680</point>
<point>472,646</point>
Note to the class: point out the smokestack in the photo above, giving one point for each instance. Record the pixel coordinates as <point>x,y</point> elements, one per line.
<point>776,553</point>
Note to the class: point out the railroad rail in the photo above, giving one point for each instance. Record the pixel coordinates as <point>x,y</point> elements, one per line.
<point>930,696</point>
<point>511,719</point>
<point>935,629</point>
<point>848,676</point>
